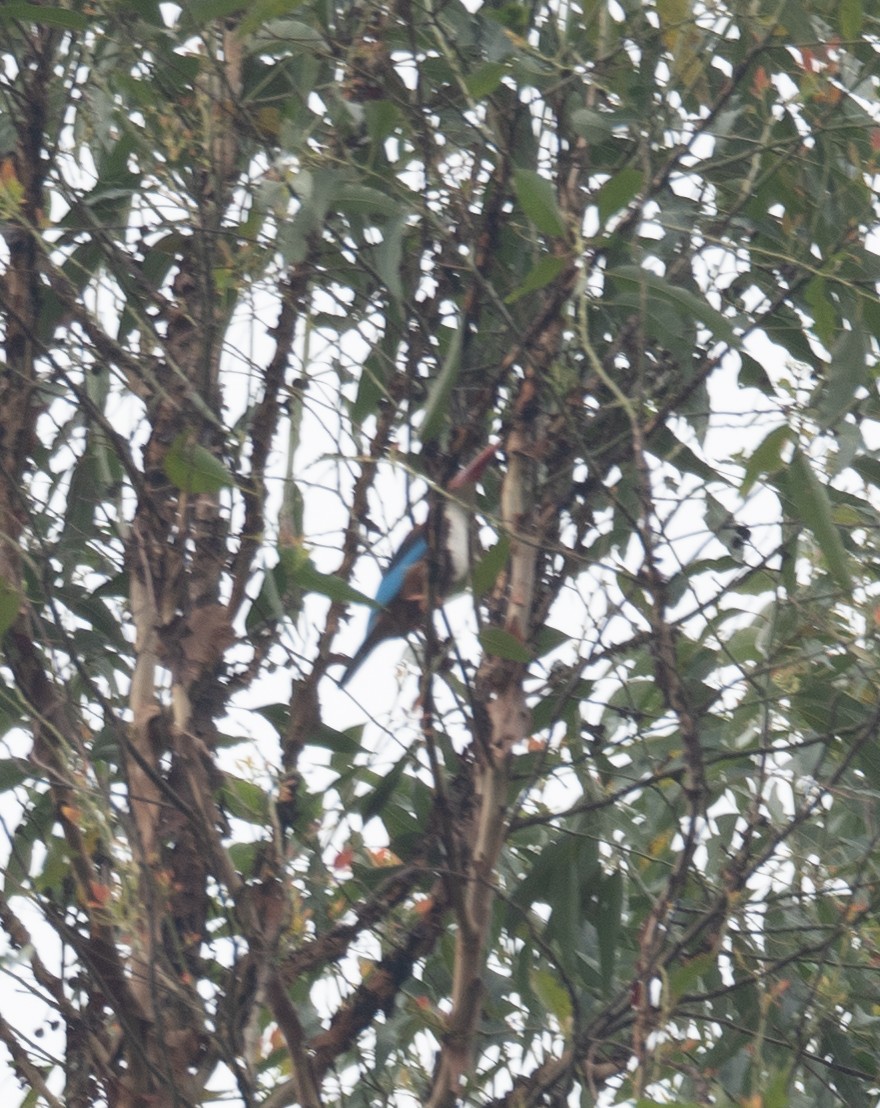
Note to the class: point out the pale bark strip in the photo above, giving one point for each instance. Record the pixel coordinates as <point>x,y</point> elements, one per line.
<point>142,782</point>
<point>177,554</point>
<point>20,288</point>
<point>54,720</point>
<point>473,889</point>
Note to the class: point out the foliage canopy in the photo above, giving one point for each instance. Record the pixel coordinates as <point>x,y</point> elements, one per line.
<point>273,272</point>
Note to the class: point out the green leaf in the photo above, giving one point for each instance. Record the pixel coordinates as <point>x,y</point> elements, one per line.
<point>594,126</point>
<point>766,458</point>
<point>546,270</point>
<point>776,1091</point>
<point>752,375</point>
<point>645,1103</point>
<point>315,190</point>
<point>846,373</point>
<point>868,469</point>
<point>608,925</point>
<point>617,192</point>
<point>194,469</point>
<point>244,800</point>
<point>261,12</point>
<point>538,200</point>
<point>437,406</point>
<point>514,16</point>
<point>302,572</point>
<point>275,600</point>
<point>559,703</point>
<point>850,16</point>
<point>485,79</point>
<point>389,256</point>
<point>53,875</point>
<point>824,315</point>
<point>377,799</point>
<point>635,278</point>
<point>199,12</point>
<point>13,771</point>
<point>364,200</point>
<point>683,978</point>
<point>668,446</point>
<point>10,605</point>
<point>276,714</point>
<point>827,709</point>
<point>548,639</point>
<point>64,18</point>
<point>375,372</point>
<point>36,826</point>
<point>92,474</point>
<point>810,499</point>
<point>502,644</point>
<point>339,742</point>
<point>485,572</point>
<point>795,19</point>
<point>551,992</point>
<point>101,618</point>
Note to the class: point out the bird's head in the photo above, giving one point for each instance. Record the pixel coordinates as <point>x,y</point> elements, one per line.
<point>468,475</point>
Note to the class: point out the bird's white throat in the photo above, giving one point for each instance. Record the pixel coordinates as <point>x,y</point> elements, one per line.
<point>458,540</point>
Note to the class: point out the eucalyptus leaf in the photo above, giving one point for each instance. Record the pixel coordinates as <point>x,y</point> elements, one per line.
<point>502,644</point>
<point>538,201</point>
<point>813,507</point>
<point>192,468</point>
<point>64,18</point>
<point>617,192</point>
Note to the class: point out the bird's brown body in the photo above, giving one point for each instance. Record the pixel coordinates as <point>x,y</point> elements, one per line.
<point>407,591</point>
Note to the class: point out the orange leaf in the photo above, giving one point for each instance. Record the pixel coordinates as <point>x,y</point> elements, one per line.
<point>808,60</point>
<point>99,895</point>
<point>8,176</point>
<point>344,858</point>
<point>761,82</point>
<point>856,908</point>
<point>384,857</point>
<point>70,813</point>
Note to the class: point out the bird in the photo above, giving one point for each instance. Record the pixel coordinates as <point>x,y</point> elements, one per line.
<point>404,595</point>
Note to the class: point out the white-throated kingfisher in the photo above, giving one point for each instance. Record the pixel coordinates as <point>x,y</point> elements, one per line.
<point>405,592</point>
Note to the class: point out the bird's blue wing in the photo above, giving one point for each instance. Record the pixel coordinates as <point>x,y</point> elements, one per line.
<point>413,549</point>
